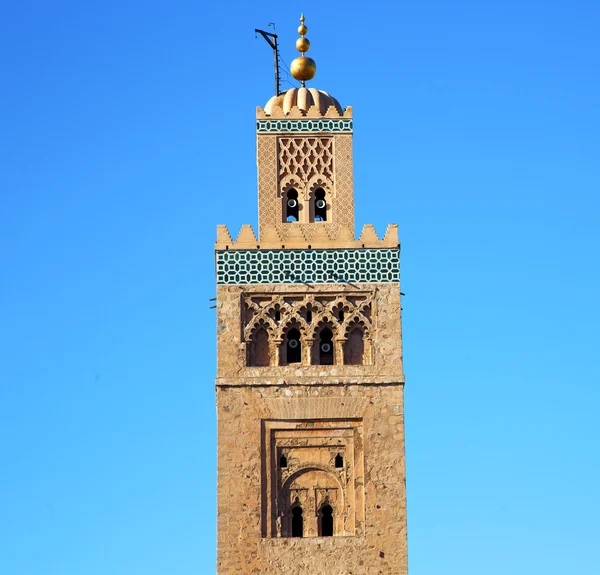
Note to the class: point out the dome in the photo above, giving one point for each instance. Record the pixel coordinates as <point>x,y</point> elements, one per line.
<point>303,98</point>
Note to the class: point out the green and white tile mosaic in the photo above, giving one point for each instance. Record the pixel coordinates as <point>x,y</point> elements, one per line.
<point>242,267</point>
<point>315,126</point>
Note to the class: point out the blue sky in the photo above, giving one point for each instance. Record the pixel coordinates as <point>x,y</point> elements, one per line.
<point>127,134</point>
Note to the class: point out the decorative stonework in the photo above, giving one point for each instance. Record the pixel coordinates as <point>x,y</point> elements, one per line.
<point>240,267</point>
<point>310,477</point>
<point>269,205</point>
<point>382,352</point>
<point>347,315</point>
<point>277,311</point>
<point>272,239</point>
<point>296,113</point>
<point>305,151</point>
<point>302,160</point>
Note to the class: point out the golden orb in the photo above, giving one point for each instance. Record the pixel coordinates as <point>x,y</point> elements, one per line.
<point>302,45</point>
<point>303,68</point>
<point>302,29</point>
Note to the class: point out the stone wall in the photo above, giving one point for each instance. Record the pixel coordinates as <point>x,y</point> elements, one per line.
<point>247,543</point>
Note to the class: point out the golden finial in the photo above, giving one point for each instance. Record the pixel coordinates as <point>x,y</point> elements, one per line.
<point>303,68</point>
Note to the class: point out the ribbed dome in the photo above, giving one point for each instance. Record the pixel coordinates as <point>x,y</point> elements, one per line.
<point>304,98</point>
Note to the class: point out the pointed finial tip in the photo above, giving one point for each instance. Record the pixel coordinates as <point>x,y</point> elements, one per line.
<point>302,29</point>
<point>303,68</point>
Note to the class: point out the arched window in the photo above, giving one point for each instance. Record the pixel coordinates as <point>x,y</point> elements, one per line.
<point>291,206</point>
<point>354,348</point>
<point>258,353</point>
<point>320,207</point>
<point>339,461</point>
<point>293,346</point>
<point>325,347</point>
<point>297,522</point>
<point>326,527</point>
<point>283,461</point>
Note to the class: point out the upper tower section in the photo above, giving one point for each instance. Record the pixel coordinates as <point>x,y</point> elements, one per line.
<point>305,172</point>
<point>304,144</point>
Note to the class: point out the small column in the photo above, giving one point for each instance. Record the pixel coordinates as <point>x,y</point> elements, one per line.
<point>274,347</point>
<point>307,346</point>
<point>311,526</point>
<point>367,351</point>
<point>338,357</point>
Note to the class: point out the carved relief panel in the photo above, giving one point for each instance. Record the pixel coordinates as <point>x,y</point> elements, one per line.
<point>318,329</point>
<point>309,165</point>
<point>314,478</point>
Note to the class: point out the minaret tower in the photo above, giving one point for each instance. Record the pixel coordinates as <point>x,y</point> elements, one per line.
<point>311,474</point>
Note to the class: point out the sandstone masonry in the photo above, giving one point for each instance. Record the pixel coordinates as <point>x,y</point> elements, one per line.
<point>309,388</point>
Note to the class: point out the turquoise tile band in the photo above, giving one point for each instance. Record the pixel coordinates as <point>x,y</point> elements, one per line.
<point>314,126</point>
<point>242,267</point>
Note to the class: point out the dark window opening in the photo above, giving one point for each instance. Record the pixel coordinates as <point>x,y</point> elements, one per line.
<point>339,461</point>
<point>326,521</point>
<point>309,316</point>
<point>297,522</point>
<point>341,315</point>
<point>325,347</point>
<point>291,206</point>
<point>294,349</point>
<point>354,348</point>
<point>283,461</point>
<point>320,206</point>
<point>277,316</point>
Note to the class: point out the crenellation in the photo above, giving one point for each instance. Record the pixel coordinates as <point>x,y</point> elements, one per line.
<point>368,235</point>
<point>299,237</point>
<point>246,237</point>
<point>277,113</point>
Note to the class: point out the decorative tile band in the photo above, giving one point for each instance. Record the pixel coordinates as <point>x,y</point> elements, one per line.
<point>312,126</point>
<point>242,267</point>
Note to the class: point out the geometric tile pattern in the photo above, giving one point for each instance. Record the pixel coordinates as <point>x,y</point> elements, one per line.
<point>254,267</point>
<point>314,126</point>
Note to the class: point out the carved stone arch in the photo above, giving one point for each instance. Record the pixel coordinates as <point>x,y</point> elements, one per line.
<point>323,320</point>
<point>260,322</point>
<point>308,307</point>
<point>252,305</point>
<point>289,353</point>
<point>357,321</point>
<point>289,322</point>
<point>319,182</point>
<point>364,307</point>
<point>281,306</point>
<point>304,468</point>
<point>299,210</point>
<point>258,345</point>
<point>312,487</point>
<point>331,481</point>
<point>289,182</point>
<point>318,308</point>
<point>326,518</point>
<point>325,334</point>
<point>318,199</point>
<point>357,347</point>
<point>341,304</point>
